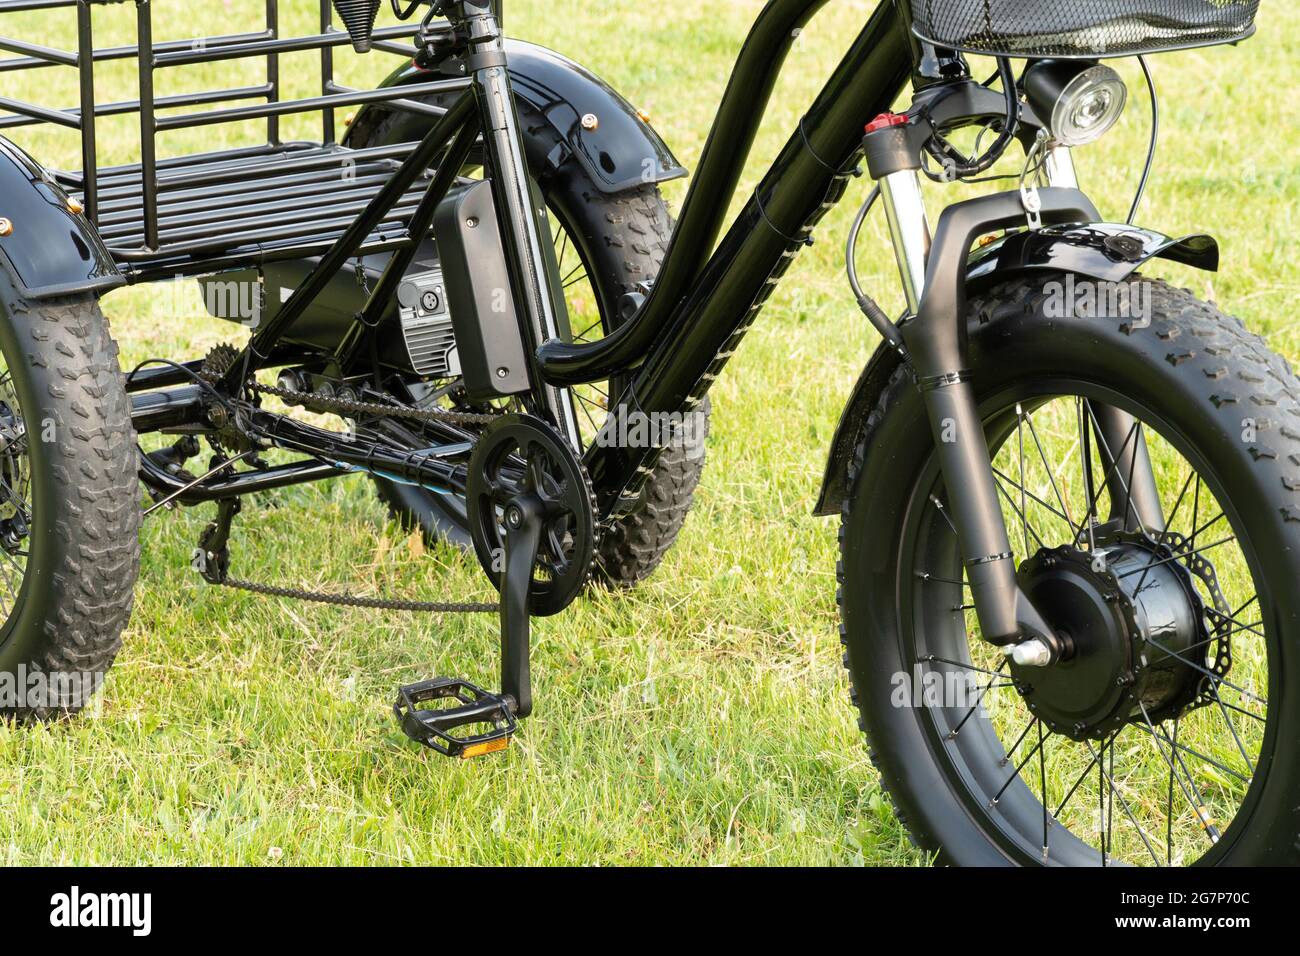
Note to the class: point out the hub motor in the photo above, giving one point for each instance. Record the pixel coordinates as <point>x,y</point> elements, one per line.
<point>1134,626</point>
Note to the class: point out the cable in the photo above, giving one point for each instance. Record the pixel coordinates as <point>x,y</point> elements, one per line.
<point>870,308</point>
<point>954,162</point>
<point>1155,136</point>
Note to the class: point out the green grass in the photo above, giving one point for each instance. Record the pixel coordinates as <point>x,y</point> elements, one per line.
<point>701,719</point>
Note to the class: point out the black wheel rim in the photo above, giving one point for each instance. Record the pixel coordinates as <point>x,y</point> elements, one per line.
<point>16,515</point>
<point>1159,791</point>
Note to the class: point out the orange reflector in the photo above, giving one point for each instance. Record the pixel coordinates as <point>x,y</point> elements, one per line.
<point>488,747</point>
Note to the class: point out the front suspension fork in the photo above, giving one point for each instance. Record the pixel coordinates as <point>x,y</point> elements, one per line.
<point>936,341</point>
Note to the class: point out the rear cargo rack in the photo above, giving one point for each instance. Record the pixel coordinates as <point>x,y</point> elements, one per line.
<point>236,207</point>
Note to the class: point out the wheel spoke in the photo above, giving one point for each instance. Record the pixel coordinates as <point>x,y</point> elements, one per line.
<point>1218,680</point>
<point>1033,497</point>
<point>1190,790</point>
<point>1024,503</point>
<point>1042,787</point>
<point>1029,529</point>
<point>1179,556</point>
<point>1232,728</point>
<point>932,659</point>
<point>1050,474</point>
<point>1114,793</point>
<point>1090,496</point>
<point>979,698</point>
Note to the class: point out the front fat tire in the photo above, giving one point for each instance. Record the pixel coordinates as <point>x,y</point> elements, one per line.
<point>1204,373</point>
<point>84,550</point>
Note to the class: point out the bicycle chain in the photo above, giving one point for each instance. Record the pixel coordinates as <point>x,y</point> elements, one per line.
<point>353,408</point>
<point>348,600</point>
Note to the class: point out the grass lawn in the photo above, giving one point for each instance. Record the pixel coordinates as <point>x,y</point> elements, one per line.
<point>701,719</point>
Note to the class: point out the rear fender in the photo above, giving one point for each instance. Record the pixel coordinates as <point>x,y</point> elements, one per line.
<point>616,146</point>
<point>51,248</point>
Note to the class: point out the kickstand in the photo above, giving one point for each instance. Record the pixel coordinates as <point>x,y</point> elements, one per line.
<point>463,704</point>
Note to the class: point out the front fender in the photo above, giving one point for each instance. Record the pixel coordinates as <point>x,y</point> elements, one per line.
<point>622,152</point>
<point>51,250</point>
<point>1109,252</point>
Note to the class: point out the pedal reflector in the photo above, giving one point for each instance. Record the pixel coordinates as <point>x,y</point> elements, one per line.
<point>487,747</point>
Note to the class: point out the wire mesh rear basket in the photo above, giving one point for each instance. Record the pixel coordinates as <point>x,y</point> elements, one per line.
<point>1081,28</point>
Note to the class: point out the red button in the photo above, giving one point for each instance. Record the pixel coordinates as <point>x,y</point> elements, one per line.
<point>885,121</point>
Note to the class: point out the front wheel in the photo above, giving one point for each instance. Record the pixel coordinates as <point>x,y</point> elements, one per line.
<point>1165,737</point>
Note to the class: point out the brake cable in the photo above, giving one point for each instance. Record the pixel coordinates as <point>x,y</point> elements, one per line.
<point>956,164</point>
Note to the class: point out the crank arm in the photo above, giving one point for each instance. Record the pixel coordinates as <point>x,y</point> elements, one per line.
<point>523,523</point>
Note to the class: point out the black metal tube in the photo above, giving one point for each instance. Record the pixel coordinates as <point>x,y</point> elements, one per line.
<point>131,51</point>
<point>133,106</point>
<point>15,6</point>
<point>40,113</point>
<point>805,180</point>
<point>38,52</point>
<point>718,174</point>
<point>326,72</point>
<point>423,467</point>
<point>421,221</point>
<point>148,124</point>
<point>345,247</point>
<point>273,70</point>
<point>86,83</point>
<point>165,484</point>
<point>239,51</point>
<point>309,104</point>
<point>158,376</point>
<point>167,408</point>
<point>410,106</point>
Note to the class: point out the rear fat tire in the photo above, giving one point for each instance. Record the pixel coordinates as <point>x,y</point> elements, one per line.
<point>84,549</point>
<point>1204,372</point>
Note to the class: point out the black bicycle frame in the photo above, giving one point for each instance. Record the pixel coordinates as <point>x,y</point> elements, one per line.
<point>696,315</point>
<point>705,298</point>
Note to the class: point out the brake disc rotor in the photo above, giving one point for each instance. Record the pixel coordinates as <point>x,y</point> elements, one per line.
<point>518,455</point>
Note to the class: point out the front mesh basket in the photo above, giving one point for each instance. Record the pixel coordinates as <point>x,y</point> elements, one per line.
<point>1081,28</point>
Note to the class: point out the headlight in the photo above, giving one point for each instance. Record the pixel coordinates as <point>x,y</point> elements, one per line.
<point>1079,102</point>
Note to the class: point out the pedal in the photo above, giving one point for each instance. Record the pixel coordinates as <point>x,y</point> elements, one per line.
<point>463,706</point>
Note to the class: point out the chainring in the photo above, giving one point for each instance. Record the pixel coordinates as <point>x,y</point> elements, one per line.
<point>520,454</point>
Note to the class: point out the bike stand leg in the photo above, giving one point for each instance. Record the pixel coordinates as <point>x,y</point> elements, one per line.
<point>466,705</point>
